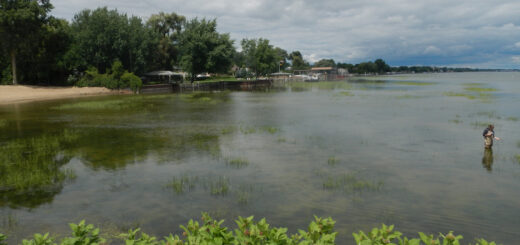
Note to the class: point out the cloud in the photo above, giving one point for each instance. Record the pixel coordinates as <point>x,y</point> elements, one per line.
<point>403,32</point>
<point>516,59</point>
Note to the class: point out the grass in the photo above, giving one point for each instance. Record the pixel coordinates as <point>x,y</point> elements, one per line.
<point>479,124</point>
<point>415,83</point>
<point>3,123</point>
<point>346,93</point>
<point>238,163</point>
<point>477,89</point>
<point>332,161</point>
<point>517,158</point>
<point>514,119</point>
<point>220,79</point>
<point>457,121</point>
<point>322,85</point>
<point>96,105</point>
<point>407,96</point>
<point>453,94</point>
<point>270,129</point>
<point>182,184</point>
<point>350,183</point>
<point>219,186</point>
<point>281,140</point>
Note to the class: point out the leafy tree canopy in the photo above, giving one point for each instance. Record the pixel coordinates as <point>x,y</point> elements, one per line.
<point>203,49</point>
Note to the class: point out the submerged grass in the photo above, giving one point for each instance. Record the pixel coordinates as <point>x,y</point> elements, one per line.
<point>237,163</point>
<point>350,183</point>
<point>183,183</point>
<point>414,83</point>
<point>407,96</point>
<point>96,105</point>
<point>332,161</point>
<point>517,158</point>
<point>477,89</point>
<point>217,186</point>
<point>453,94</point>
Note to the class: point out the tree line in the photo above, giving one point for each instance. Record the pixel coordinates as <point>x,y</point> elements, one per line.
<point>95,45</point>
<point>100,47</point>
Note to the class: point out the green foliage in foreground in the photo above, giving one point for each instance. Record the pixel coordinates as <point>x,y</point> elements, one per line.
<point>210,231</point>
<point>116,78</point>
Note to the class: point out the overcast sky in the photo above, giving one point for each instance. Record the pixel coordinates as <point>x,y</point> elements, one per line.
<point>469,33</point>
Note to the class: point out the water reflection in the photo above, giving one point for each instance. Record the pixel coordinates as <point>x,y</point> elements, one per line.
<point>487,159</point>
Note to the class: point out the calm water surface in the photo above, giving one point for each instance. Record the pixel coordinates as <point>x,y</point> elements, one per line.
<point>404,150</point>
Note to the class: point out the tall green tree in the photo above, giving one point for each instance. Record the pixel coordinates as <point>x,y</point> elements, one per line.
<point>260,56</point>
<point>325,63</point>
<point>102,36</point>
<point>203,49</point>
<point>21,23</point>
<point>382,67</point>
<point>298,63</point>
<point>43,63</point>
<point>168,28</point>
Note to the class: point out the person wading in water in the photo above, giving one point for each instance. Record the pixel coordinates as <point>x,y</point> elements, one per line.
<point>489,135</point>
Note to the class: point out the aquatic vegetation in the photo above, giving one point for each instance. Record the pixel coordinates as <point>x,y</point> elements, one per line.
<point>248,231</point>
<point>32,167</point>
<point>183,183</point>
<point>242,197</point>
<point>228,130</point>
<point>218,186</point>
<point>332,161</point>
<point>3,123</point>
<point>473,84</point>
<point>346,93</point>
<point>118,104</point>
<point>517,158</point>
<point>322,85</point>
<point>489,114</point>
<point>457,121</point>
<point>407,96</point>
<point>453,94</point>
<point>415,83</point>
<point>281,140</point>
<point>247,130</point>
<point>513,119</point>
<point>237,162</point>
<point>476,89</point>
<point>350,183</point>
<point>270,129</point>
<point>479,124</point>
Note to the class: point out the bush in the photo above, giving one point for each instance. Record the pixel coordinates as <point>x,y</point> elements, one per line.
<point>210,231</point>
<point>129,80</point>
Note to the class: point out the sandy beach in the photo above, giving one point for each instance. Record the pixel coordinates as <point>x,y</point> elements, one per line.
<point>21,93</point>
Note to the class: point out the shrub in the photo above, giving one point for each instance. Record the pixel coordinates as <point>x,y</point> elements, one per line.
<point>210,231</point>
<point>129,80</point>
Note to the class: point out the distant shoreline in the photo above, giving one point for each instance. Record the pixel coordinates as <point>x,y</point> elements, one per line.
<point>12,94</point>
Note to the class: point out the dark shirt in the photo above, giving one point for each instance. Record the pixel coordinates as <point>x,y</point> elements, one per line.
<point>486,132</point>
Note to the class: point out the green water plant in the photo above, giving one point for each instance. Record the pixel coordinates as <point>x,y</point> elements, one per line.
<point>415,83</point>
<point>332,160</point>
<point>248,231</point>
<point>237,162</point>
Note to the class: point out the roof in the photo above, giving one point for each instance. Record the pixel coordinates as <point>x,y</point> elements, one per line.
<point>329,68</point>
<point>162,73</point>
<point>280,74</point>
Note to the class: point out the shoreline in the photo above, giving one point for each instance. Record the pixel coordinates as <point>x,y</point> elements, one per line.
<point>14,94</point>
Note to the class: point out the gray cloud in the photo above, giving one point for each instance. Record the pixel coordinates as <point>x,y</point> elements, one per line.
<point>403,32</point>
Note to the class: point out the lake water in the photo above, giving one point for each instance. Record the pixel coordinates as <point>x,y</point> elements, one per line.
<point>404,150</point>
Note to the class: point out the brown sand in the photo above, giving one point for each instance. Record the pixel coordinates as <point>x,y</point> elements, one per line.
<point>17,94</point>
